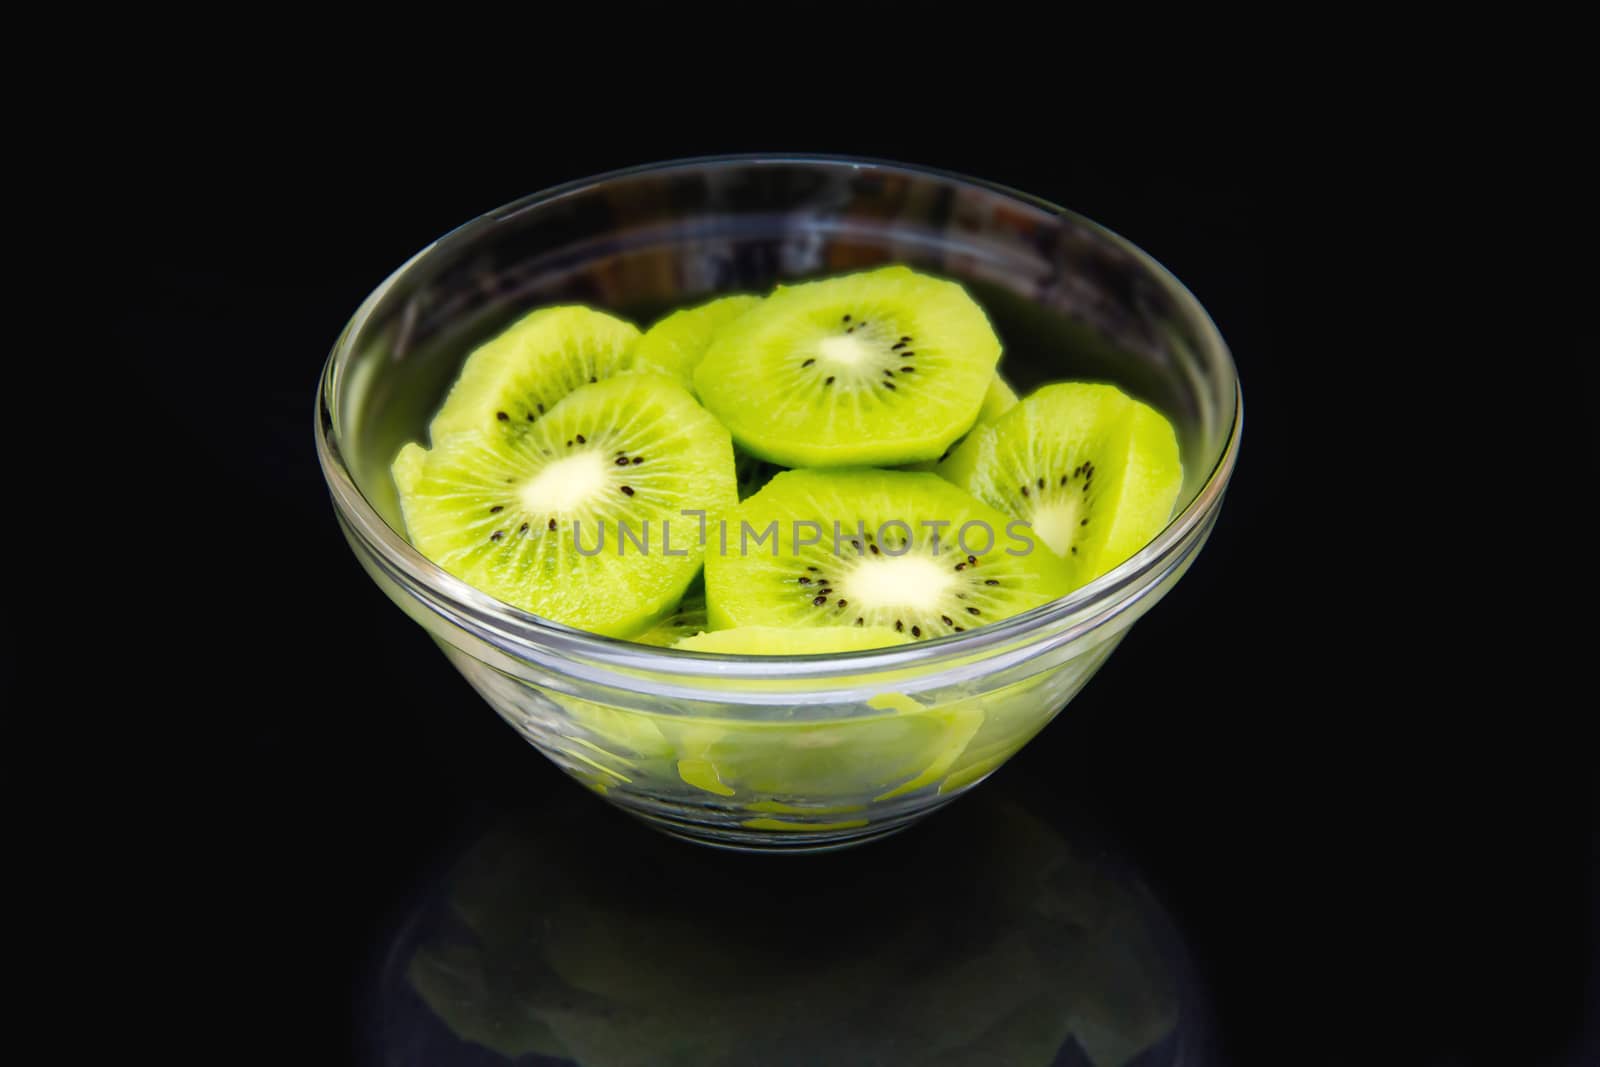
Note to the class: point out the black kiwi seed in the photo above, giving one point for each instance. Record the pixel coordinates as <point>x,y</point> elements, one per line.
<point>899,627</point>
<point>874,549</point>
<point>497,535</point>
<point>916,631</point>
<point>552,524</point>
<point>523,528</point>
<point>843,602</point>
<point>569,444</point>
<point>973,560</point>
<point>530,416</point>
<point>1041,483</point>
<point>887,372</point>
<point>829,380</point>
<point>580,440</point>
<point>961,566</point>
<point>808,363</point>
<point>888,385</point>
<point>860,621</point>
<point>805,581</point>
<point>622,461</point>
<point>1083,522</point>
<point>991,581</point>
<point>847,318</point>
<point>1024,490</point>
<point>497,509</point>
<point>898,345</point>
<point>907,370</point>
<point>1074,550</point>
<point>1063,479</point>
<point>637,460</point>
<point>627,490</point>
<point>947,620</point>
<point>540,407</point>
<point>813,570</point>
<point>502,416</point>
<point>905,340</point>
<point>593,379</point>
<point>961,629</point>
<point>819,601</point>
<point>973,611</point>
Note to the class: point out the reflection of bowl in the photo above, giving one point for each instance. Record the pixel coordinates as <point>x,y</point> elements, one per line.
<point>762,752</point>
<point>990,938</point>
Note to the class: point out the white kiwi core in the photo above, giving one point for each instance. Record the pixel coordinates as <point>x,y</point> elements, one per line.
<point>845,351</point>
<point>1056,522</point>
<point>915,583</point>
<point>566,484</point>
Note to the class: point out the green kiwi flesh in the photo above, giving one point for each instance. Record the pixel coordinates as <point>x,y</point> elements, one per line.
<point>1094,472</point>
<point>998,399</point>
<point>566,519</point>
<point>510,382</point>
<point>892,568</point>
<point>877,368</point>
<point>675,345</point>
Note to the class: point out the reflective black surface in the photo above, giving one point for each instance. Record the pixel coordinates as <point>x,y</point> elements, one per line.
<point>567,934</point>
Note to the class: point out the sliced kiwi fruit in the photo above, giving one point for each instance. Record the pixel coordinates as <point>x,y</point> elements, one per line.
<point>842,763</point>
<point>1094,472</point>
<point>883,367</point>
<point>787,641</point>
<point>914,554</point>
<point>998,399</point>
<point>675,345</point>
<point>571,519</point>
<point>509,383</point>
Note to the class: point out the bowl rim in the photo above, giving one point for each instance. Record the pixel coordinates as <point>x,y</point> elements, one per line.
<point>529,636</point>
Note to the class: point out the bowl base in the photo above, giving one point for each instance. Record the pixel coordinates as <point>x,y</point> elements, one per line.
<point>796,841</point>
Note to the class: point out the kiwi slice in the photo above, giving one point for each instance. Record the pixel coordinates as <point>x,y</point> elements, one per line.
<point>510,382</point>
<point>997,400</point>
<point>580,518</point>
<point>878,368</point>
<point>785,641</point>
<point>914,554</point>
<point>675,345</point>
<point>1094,472</point>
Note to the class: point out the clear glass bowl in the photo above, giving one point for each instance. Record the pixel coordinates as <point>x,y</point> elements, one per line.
<point>776,753</point>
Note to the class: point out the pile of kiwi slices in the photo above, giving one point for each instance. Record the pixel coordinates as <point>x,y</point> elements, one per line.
<point>835,466</point>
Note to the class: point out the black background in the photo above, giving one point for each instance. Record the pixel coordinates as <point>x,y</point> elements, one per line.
<point>1364,872</point>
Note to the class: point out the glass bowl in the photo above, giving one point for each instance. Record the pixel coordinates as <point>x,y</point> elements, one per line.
<point>776,753</point>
